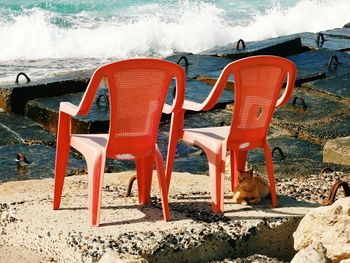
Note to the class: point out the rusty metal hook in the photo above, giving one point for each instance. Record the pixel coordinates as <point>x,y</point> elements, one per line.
<point>320,39</point>
<point>333,61</point>
<point>282,155</point>
<point>22,74</point>
<point>334,190</point>
<point>240,41</point>
<point>302,101</point>
<point>102,98</point>
<point>326,170</point>
<point>131,182</point>
<point>183,58</point>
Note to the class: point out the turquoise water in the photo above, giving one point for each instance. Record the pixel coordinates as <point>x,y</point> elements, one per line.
<point>46,37</point>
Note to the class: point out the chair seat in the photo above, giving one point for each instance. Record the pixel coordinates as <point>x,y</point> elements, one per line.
<point>89,142</point>
<point>210,138</point>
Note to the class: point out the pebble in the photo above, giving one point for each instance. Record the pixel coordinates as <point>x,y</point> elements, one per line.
<point>313,188</point>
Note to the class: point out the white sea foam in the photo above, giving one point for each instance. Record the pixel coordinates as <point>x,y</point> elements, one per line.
<point>157,30</point>
<point>305,16</point>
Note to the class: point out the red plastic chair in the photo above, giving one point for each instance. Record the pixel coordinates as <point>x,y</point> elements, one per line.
<point>137,91</point>
<point>258,83</point>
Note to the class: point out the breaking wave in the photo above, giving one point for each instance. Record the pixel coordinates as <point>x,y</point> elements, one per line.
<point>158,28</point>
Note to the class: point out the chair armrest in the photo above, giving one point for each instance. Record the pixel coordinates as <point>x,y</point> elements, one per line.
<point>193,106</point>
<point>69,108</point>
<point>289,87</point>
<point>214,94</point>
<point>167,109</point>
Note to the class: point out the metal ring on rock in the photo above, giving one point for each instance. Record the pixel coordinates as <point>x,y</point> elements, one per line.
<point>240,42</point>
<point>102,98</point>
<point>183,58</point>
<point>333,61</point>
<point>282,155</point>
<point>22,74</point>
<point>320,39</point>
<point>303,104</point>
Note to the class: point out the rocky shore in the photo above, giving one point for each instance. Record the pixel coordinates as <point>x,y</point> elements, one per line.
<point>132,231</point>
<point>312,132</point>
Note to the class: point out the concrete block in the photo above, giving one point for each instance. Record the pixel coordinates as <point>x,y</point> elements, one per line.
<point>280,46</point>
<point>337,85</point>
<point>13,97</point>
<point>337,151</point>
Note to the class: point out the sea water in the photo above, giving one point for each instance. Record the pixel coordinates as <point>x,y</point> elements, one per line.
<point>43,38</point>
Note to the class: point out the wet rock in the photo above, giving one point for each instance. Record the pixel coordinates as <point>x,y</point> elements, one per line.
<point>337,151</point>
<point>316,61</point>
<point>302,157</point>
<point>13,97</point>
<point>16,129</point>
<point>315,41</point>
<point>339,126</point>
<point>338,33</point>
<point>45,112</point>
<point>198,91</point>
<point>324,117</point>
<point>338,85</point>
<point>279,46</point>
<point>41,161</point>
<point>199,63</point>
<point>320,108</point>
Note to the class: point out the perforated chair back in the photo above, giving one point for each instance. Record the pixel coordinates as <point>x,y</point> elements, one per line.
<point>258,85</point>
<point>134,118</point>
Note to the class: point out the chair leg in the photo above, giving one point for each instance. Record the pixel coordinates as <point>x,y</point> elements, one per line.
<point>216,163</point>
<point>238,161</point>
<point>96,165</point>
<point>62,155</point>
<point>170,160</point>
<point>163,188</point>
<point>175,134</point>
<point>269,168</point>
<point>144,168</point>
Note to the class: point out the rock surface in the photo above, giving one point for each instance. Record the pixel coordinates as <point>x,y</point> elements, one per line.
<point>312,254</point>
<point>329,226</point>
<point>194,234</point>
<point>337,151</point>
<point>113,257</point>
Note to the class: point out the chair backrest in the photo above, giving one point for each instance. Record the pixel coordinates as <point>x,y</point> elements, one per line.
<point>258,84</point>
<point>137,91</point>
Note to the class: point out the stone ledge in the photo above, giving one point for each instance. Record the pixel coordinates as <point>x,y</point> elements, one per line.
<point>337,151</point>
<point>194,234</point>
<point>13,97</point>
